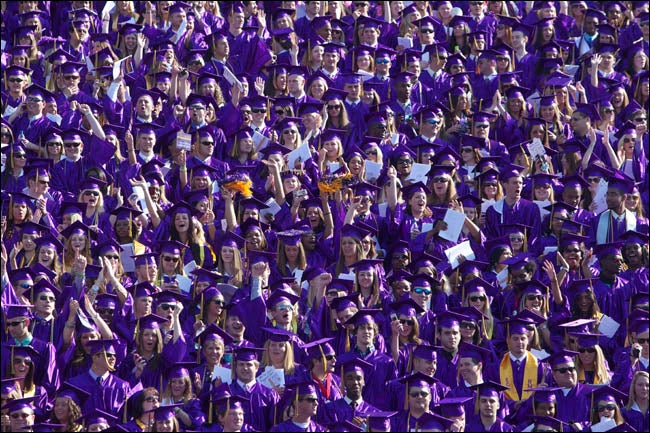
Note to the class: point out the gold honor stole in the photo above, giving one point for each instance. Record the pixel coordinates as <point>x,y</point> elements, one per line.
<point>507,377</point>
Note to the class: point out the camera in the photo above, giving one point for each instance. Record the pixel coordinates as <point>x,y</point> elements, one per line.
<point>636,352</point>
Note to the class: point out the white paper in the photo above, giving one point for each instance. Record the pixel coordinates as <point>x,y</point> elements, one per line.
<point>302,152</point>
<point>394,138</point>
<point>3,44</point>
<point>599,196</point>
<point>297,274</point>
<point>349,276</point>
<point>142,202</point>
<point>188,268</point>
<point>125,257</point>
<point>184,283</point>
<point>541,204</point>
<point>181,29</point>
<point>259,140</point>
<point>419,172</point>
<point>486,204</point>
<point>9,110</point>
<point>89,64</point>
<point>502,278</point>
<point>108,9</point>
<point>426,227</point>
<point>455,221</point>
<point>536,148</point>
<point>333,166</point>
<point>117,66</point>
<point>605,425</point>
<point>373,170</point>
<point>540,354</point>
<point>383,209</point>
<point>550,249</point>
<point>463,249</point>
<point>227,290</point>
<point>271,377</point>
<point>405,42</point>
<point>183,141</point>
<point>224,224</point>
<point>83,319</point>
<point>273,209</point>
<point>222,373</point>
<point>230,78</point>
<point>608,326</point>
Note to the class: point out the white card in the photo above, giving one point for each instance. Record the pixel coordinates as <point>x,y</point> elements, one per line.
<point>550,249</point>
<point>333,166</point>
<point>463,249</point>
<point>125,257</point>
<point>108,9</point>
<point>502,278</point>
<point>599,196</point>
<point>302,152</point>
<point>486,204</point>
<point>383,209</point>
<point>419,172</point>
<point>183,141</point>
<point>184,283</point>
<point>373,170</point>
<point>188,268</point>
<point>608,326</point>
<point>541,205</point>
<point>117,66</point>
<point>222,373</point>
<point>455,221</point>
<point>273,209</point>
<point>540,354</point>
<point>230,78</point>
<point>606,424</point>
<point>427,227</point>
<point>536,148</point>
<point>405,42</point>
<point>259,140</point>
<point>349,276</point>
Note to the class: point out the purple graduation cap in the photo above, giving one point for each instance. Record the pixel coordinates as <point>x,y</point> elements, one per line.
<point>104,345</point>
<point>407,307</point>
<point>73,392</point>
<point>145,259</point>
<point>603,250</point>
<point>433,422</point>
<point>280,295</point>
<point>449,319</point>
<point>477,353</point>
<point>19,404</point>
<point>453,407</point>
<point>247,353</point>
<point>379,421</point>
<point>213,333</point>
<point>78,228</point>
<point>363,316</point>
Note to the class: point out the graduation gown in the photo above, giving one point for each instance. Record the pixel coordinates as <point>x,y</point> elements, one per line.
<point>290,426</point>
<point>575,406</point>
<point>522,212</point>
<point>262,403</point>
<point>110,396</point>
<point>339,411</point>
<point>447,371</point>
<point>475,424</point>
<point>384,370</point>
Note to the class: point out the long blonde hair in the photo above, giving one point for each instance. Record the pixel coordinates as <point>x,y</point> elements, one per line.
<point>601,375</point>
<point>289,365</point>
<point>632,394</point>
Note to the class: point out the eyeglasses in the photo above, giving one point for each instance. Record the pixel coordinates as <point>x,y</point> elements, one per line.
<point>93,193</point>
<point>530,327</point>
<point>642,340</point>
<point>54,143</point>
<point>628,140</point>
<point>20,155</point>
<point>467,149</point>
<point>16,323</point>
<point>151,399</point>
<point>207,143</point>
<point>593,179</point>
<point>258,110</point>
<point>71,77</point>
<point>382,61</point>
<point>476,3</point>
<point>608,110</point>
<point>564,370</point>
<point>426,31</point>
<point>311,400</point>
<point>468,325</point>
<point>405,161</point>
<point>5,134</point>
<point>371,152</point>
<point>587,349</point>
<point>219,302</point>
<point>535,297</point>
<point>112,257</point>
<point>105,310</point>
<point>476,298</point>
<point>15,80</point>
<point>280,112</point>
<point>400,257</point>
<point>289,131</point>
<point>416,394</point>
<point>482,125</point>
<point>168,307</point>
<point>285,307</point>
<point>334,107</point>
<point>75,144</point>
<point>489,184</point>
<point>171,259</point>
<point>516,238</point>
<point>409,322</point>
<point>22,415</point>
<point>420,290</point>
<point>610,407</point>
<point>440,179</point>
<point>47,298</point>
<point>197,107</point>
<point>33,99</point>
<point>25,361</point>
<point>330,357</point>
<point>433,121</point>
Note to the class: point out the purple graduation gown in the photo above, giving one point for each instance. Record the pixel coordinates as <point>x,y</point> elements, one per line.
<point>523,212</point>
<point>109,397</point>
<point>474,424</point>
<point>339,411</point>
<point>262,402</point>
<point>289,426</point>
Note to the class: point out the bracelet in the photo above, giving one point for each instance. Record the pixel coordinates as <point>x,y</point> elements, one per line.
<point>327,213</point>
<point>183,169</point>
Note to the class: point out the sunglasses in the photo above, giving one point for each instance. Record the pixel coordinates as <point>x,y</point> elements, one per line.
<point>22,415</point>
<point>54,143</point>
<point>416,394</point>
<point>5,134</point>
<point>330,357</point>
<point>258,110</point>
<point>440,179</point>
<point>26,286</point>
<point>111,257</point>
<point>642,340</point>
<point>628,140</point>
<point>409,322</point>
<point>285,307</point>
<point>468,325</point>
<point>467,149</point>
<point>219,302</point>
<point>611,407</point>
<point>15,80</point>
<point>33,99</point>
<point>587,349</point>
<point>572,250</point>
<point>535,297</point>
<point>476,298</point>
<point>105,310</point>
<point>25,361</point>
<point>151,399</point>
<point>420,290</point>
<point>75,144</point>
<point>640,119</point>
<point>168,307</point>
<point>71,77</point>
<point>400,257</point>
<point>20,155</point>
<point>197,107</point>
<point>482,125</point>
<point>207,143</point>
<point>334,107</point>
<point>405,161</point>
<point>16,323</point>
<point>93,193</point>
<point>171,259</point>
<point>564,370</point>
<point>608,110</point>
<point>593,179</point>
<point>433,121</point>
<point>382,61</point>
<point>426,31</point>
<point>311,400</point>
<point>47,298</point>
<point>516,238</point>
<point>289,131</point>
<point>371,152</point>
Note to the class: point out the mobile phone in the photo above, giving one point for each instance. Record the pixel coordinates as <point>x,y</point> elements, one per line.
<point>636,352</point>
<point>393,317</point>
<point>300,192</point>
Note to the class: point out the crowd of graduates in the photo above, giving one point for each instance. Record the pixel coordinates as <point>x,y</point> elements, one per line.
<point>325,216</point>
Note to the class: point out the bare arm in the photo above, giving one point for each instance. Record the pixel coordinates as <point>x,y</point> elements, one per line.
<point>327,214</point>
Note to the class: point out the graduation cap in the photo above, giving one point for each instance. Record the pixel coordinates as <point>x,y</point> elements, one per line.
<point>247,353</point>
<point>213,333</point>
<point>409,190</point>
<point>103,345</point>
<point>425,351</point>
<point>488,389</point>
<point>342,303</point>
<point>549,422</point>
<point>379,421</point>
<point>144,259</point>
<point>417,380</point>
<point>407,307</point>
<point>19,404</point>
<point>607,394</point>
<point>142,290</point>
<point>603,250</point>
<point>430,421</point>
<point>449,319</point>
<point>622,182</point>
<point>78,228</point>
<point>363,316</point>
<point>280,295</point>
